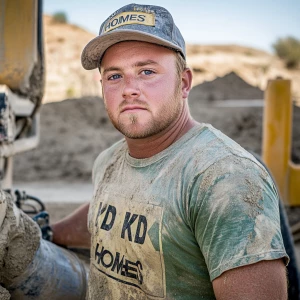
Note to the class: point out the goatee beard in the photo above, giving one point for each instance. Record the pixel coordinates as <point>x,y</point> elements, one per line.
<point>133,119</point>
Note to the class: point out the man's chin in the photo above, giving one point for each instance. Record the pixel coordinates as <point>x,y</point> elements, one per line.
<point>131,134</point>
<point>136,131</point>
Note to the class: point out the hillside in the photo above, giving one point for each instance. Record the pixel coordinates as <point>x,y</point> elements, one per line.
<point>254,66</point>
<point>67,79</point>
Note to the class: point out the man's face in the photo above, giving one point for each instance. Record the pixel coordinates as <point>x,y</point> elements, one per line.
<point>141,88</point>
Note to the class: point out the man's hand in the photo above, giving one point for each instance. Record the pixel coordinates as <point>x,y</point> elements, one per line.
<point>264,280</point>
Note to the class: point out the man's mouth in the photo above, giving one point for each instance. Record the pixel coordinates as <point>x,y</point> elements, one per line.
<point>132,108</point>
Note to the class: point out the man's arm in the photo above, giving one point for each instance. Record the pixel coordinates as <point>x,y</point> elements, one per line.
<point>72,231</point>
<point>264,280</point>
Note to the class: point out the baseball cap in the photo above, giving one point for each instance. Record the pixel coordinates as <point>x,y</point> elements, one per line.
<point>134,22</point>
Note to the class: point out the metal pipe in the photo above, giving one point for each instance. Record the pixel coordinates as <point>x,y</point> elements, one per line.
<point>32,268</point>
<point>55,273</point>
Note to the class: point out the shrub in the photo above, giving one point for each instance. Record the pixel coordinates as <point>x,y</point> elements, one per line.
<point>289,50</point>
<point>60,17</point>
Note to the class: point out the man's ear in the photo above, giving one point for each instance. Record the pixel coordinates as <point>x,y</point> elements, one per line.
<point>186,79</point>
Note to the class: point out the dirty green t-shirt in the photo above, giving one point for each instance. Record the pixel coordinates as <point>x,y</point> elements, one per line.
<point>165,227</point>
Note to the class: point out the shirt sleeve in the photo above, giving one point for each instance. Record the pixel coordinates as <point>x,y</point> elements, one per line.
<point>235,215</point>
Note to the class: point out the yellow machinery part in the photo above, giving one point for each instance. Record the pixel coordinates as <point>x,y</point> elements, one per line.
<point>277,140</point>
<point>18,36</point>
<point>294,185</point>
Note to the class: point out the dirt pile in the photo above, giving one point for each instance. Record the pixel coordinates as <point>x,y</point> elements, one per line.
<point>75,131</point>
<point>229,87</point>
<point>254,66</point>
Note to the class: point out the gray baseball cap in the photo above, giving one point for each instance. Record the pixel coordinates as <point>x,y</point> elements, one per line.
<point>134,22</point>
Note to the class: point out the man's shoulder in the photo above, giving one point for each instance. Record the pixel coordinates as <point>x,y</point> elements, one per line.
<point>209,147</point>
<point>211,139</point>
<point>107,155</point>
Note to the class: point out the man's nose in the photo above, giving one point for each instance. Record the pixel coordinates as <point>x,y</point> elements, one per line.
<point>131,88</point>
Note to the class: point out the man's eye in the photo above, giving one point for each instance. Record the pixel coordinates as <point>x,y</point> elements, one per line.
<point>114,77</point>
<point>148,72</point>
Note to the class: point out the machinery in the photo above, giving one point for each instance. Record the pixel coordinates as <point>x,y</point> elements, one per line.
<point>21,81</point>
<point>277,140</point>
<point>43,270</point>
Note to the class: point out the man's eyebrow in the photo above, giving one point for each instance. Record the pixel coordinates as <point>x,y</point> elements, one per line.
<point>138,64</point>
<point>111,69</point>
<point>145,63</point>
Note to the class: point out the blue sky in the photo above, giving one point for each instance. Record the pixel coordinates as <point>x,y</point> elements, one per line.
<point>251,23</point>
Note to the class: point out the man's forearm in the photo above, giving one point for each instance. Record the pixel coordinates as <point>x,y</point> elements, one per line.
<point>72,231</point>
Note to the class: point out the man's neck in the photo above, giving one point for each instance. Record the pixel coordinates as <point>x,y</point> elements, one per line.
<point>147,147</point>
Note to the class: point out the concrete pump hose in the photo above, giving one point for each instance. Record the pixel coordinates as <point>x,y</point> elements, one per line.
<point>32,268</point>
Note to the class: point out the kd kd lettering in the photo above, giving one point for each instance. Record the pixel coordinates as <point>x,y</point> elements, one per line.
<point>137,236</point>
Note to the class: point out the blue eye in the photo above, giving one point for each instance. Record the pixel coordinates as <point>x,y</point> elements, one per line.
<point>148,72</point>
<point>114,77</point>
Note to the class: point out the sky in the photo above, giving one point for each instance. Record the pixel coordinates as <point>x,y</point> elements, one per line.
<point>253,23</point>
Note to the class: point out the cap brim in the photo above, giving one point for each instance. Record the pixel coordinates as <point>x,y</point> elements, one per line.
<point>95,49</point>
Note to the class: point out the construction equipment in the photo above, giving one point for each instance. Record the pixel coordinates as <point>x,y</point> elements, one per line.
<point>43,270</point>
<point>277,140</point>
<point>31,267</point>
<point>21,80</point>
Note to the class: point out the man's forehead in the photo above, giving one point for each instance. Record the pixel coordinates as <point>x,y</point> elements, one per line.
<point>137,46</point>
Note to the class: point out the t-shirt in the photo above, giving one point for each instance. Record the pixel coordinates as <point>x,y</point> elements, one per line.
<point>165,227</point>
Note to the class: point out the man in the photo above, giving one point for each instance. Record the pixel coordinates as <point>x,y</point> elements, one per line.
<point>179,211</point>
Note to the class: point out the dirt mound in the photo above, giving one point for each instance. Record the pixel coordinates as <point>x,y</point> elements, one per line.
<point>73,133</point>
<point>229,87</point>
<point>254,66</point>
